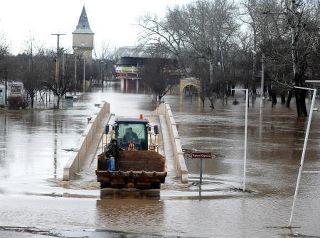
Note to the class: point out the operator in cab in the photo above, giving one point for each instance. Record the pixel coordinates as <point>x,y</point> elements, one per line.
<point>130,136</point>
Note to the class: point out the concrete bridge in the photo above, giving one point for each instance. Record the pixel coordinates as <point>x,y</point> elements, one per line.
<point>92,141</point>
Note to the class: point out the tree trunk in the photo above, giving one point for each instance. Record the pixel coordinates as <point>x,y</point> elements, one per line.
<point>58,102</point>
<point>32,101</point>
<point>202,100</point>
<point>254,65</point>
<point>301,103</point>
<point>289,99</point>
<point>211,102</point>
<point>274,98</point>
<point>300,95</point>
<point>270,92</point>
<point>283,98</point>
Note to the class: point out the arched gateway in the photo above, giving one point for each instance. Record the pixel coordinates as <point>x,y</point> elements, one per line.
<point>191,84</point>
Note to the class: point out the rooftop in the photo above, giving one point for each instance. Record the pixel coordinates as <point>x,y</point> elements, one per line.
<point>83,26</point>
<point>133,52</point>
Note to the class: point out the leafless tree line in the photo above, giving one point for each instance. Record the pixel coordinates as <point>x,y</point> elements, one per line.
<point>36,68</point>
<point>222,42</point>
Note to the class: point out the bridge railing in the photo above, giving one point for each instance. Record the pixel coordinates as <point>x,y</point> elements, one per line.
<point>81,155</point>
<point>180,165</point>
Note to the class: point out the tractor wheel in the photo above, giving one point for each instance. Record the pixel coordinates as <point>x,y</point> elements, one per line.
<point>104,184</point>
<point>155,186</point>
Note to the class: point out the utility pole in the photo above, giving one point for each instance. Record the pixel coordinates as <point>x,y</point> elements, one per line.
<point>6,86</point>
<point>263,57</point>
<point>254,64</point>
<point>84,74</point>
<point>211,71</point>
<point>84,67</point>
<point>75,73</point>
<point>63,67</point>
<point>57,58</point>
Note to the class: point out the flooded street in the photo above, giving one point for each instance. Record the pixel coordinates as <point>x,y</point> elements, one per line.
<point>35,145</point>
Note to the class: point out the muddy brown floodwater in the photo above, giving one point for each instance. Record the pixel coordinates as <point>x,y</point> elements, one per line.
<point>34,146</point>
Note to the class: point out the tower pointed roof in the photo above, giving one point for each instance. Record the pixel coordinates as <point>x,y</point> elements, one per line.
<point>83,24</point>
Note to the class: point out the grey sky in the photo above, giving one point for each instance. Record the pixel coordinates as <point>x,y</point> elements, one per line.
<point>113,21</point>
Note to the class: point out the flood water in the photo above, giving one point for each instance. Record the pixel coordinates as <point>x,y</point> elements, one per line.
<point>34,147</point>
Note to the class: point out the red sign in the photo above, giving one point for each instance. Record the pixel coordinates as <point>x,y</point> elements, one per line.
<point>201,155</point>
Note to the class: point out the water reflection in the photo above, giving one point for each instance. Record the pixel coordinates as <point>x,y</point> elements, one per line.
<point>3,138</point>
<point>55,148</point>
<point>131,215</point>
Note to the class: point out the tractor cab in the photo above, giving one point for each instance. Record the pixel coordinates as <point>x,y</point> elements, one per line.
<point>133,133</point>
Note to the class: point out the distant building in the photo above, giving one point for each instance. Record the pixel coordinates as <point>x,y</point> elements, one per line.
<point>127,67</point>
<point>83,38</point>
<point>16,94</point>
<point>131,60</point>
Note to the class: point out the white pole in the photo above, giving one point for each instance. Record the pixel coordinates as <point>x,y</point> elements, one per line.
<point>262,79</point>
<point>245,142</point>
<point>303,151</point>
<point>245,138</point>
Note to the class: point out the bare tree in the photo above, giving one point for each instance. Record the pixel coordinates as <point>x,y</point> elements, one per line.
<point>65,81</point>
<point>105,62</point>
<point>158,74</point>
<point>299,35</point>
<point>28,73</point>
<point>165,34</point>
<point>4,61</point>
<point>199,30</point>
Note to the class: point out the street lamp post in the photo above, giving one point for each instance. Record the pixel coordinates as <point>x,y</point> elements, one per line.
<point>304,149</point>
<point>245,139</point>
<point>84,67</point>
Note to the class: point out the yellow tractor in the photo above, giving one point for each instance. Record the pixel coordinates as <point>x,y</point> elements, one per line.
<point>138,163</point>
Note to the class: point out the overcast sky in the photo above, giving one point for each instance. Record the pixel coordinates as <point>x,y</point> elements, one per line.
<point>112,21</point>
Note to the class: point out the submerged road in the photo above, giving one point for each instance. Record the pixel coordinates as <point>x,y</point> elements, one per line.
<point>34,202</point>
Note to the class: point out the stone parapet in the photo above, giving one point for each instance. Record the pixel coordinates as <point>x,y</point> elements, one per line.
<point>180,165</point>
<point>82,155</point>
